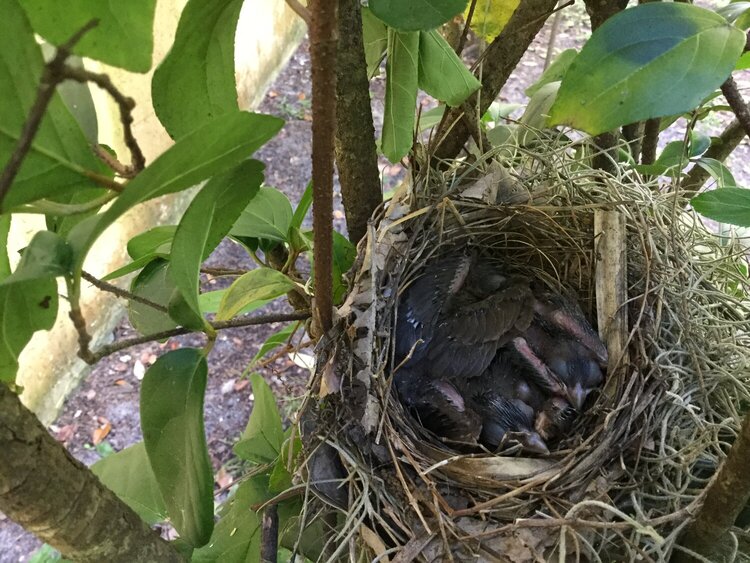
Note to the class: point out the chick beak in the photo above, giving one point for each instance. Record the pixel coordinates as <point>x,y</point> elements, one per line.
<point>533,442</point>
<point>577,396</point>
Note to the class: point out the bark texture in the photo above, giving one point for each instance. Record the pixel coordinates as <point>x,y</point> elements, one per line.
<point>356,155</point>
<point>499,60</point>
<point>726,496</point>
<point>323,62</point>
<point>54,496</point>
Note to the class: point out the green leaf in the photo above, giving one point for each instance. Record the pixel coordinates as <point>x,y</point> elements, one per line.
<point>237,536</point>
<point>211,300</point>
<point>734,10</point>
<point>47,256</point>
<point>441,73</point>
<point>344,254</point>
<point>723,176</point>
<point>213,149</point>
<point>743,62</point>
<point>375,38</point>
<point>402,75</point>
<point>416,15</point>
<point>147,243</point>
<point>726,205</point>
<point>128,474</point>
<point>431,117</point>
<point>207,220</point>
<point>59,155</point>
<point>280,478</point>
<point>195,82</point>
<point>259,284</point>
<point>267,216</point>
<point>25,307</point>
<point>155,284</point>
<point>303,206</point>
<point>554,72</point>
<point>653,60</point>
<point>123,37</point>
<point>172,396</point>
<point>491,17</point>
<point>261,441</point>
<point>274,341</point>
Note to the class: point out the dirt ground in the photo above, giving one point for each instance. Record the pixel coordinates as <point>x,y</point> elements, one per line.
<point>105,405</point>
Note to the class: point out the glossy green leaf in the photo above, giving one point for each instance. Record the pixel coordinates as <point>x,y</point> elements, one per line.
<point>237,536</point>
<point>416,14</point>
<point>213,149</point>
<point>154,284</point>
<point>128,474</point>
<point>303,206</point>
<point>718,171</point>
<point>555,71</point>
<point>123,37</point>
<point>154,240</point>
<point>25,307</point>
<point>375,39</point>
<point>195,82</point>
<point>47,256</point>
<point>172,396</point>
<point>181,312</point>
<point>267,216</point>
<point>207,220</point>
<point>653,60</point>
<point>441,73</point>
<point>344,253</point>
<point>726,205</point>
<point>743,62</point>
<point>431,117</point>
<point>402,76</point>
<point>491,17</point>
<point>734,10</point>
<point>261,441</point>
<point>59,155</point>
<point>280,478</point>
<point>277,339</point>
<point>211,300</point>
<point>47,554</point>
<point>256,285</point>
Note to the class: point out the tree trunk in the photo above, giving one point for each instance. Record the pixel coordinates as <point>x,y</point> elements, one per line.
<point>54,496</point>
<point>726,496</point>
<point>356,155</point>
<point>499,60</point>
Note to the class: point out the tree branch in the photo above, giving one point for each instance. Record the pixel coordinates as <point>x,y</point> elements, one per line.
<point>467,25</point>
<point>269,545</point>
<point>219,325</point>
<point>323,58</point>
<point>356,154</point>
<point>734,98</point>
<point>650,140</point>
<point>123,293</point>
<point>52,75</point>
<point>300,10</point>
<point>725,497</point>
<point>727,141</point>
<point>498,62</point>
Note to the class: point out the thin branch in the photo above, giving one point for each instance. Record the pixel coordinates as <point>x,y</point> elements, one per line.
<point>650,140</point>
<point>84,338</point>
<point>300,10</point>
<point>126,106</point>
<point>269,545</point>
<point>52,75</point>
<point>217,272</point>
<point>467,25</point>
<point>734,98</point>
<point>220,325</point>
<point>123,293</point>
<point>323,44</point>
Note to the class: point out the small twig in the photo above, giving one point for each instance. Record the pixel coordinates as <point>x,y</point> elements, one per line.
<point>109,288</point>
<point>52,75</point>
<point>465,33</point>
<point>269,545</point>
<point>84,338</point>
<point>552,39</point>
<point>300,10</point>
<point>124,103</point>
<point>223,272</point>
<point>220,325</point>
<point>734,98</point>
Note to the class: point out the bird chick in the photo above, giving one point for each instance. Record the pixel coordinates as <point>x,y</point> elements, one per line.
<point>505,420</point>
<point>555,418</point>
<point>438,406</point>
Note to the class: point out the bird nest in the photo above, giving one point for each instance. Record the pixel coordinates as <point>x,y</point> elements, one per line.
<point>669,299</point>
